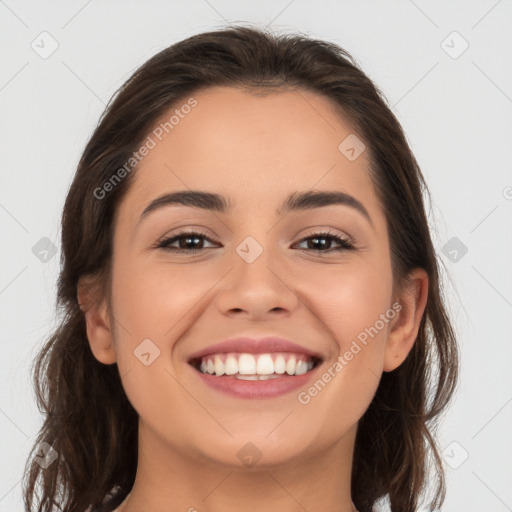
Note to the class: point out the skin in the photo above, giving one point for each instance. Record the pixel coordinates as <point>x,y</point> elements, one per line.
<point>256,150</point>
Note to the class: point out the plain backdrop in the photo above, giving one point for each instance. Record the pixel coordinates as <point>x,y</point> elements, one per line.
<point>446,70</point>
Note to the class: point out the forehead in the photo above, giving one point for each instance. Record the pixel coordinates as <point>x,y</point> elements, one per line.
<point>253,148</point>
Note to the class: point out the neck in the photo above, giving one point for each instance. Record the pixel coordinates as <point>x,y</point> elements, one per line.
<point>170,479</point>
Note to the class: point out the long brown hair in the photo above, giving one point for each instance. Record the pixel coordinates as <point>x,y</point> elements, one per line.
<point>88,419</point>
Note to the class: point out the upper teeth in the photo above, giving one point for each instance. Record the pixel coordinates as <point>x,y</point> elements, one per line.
<point>256,364</point>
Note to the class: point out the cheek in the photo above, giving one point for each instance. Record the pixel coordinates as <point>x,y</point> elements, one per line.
<point>354,307</point>
<point>151,297</point>
<point>158,301</point>
<point>152,301</point>
<point>352,299</point>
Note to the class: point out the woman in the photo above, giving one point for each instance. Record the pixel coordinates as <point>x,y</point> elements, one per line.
<point>252,308</point>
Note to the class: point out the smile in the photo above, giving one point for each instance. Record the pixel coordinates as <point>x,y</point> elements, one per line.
<point>245,375</point>
<point>255,366</point>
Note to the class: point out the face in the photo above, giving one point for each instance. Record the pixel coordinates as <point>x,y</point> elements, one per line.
<point>256,269</point>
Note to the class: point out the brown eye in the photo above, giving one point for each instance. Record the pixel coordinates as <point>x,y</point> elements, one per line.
<point>320,242</point>
<point>185,239</point>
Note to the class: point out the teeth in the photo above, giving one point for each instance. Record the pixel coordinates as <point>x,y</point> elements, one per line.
<point>246,364</point>
<point>256,377</point>
<point>265,365</point>
<point>219,366</point>
<point>280,364</point>
<point>256,366</point>
<point>301,368</point>
<point>290,366</point>
<point>231,366</point>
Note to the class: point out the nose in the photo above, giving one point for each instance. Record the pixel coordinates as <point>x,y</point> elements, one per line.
<point>258,283</point>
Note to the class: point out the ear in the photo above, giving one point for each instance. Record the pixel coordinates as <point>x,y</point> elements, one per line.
<point>95,307</point>
<point>405,326</point>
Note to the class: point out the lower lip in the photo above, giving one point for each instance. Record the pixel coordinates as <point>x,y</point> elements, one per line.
<point>262,389</point>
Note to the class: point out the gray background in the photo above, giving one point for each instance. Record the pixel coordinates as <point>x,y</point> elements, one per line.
<point>454,105</point>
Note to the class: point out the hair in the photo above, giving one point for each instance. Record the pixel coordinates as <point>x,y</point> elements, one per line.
<point>88,418</point>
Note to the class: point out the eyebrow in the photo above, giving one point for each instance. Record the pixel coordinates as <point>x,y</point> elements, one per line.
<point>297,201</point>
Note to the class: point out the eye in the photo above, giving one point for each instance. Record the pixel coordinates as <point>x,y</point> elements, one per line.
<point>188,238</point>
<point>189,242</point>
<point>316,238</point>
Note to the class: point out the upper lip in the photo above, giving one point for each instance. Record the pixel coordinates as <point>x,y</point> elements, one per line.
<point>254,346</point>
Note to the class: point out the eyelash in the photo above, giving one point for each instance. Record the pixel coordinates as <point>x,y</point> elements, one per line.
<point>345,244</point>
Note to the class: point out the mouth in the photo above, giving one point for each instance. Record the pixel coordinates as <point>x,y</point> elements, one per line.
<point>255,367</point>
<point>252,368</point>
